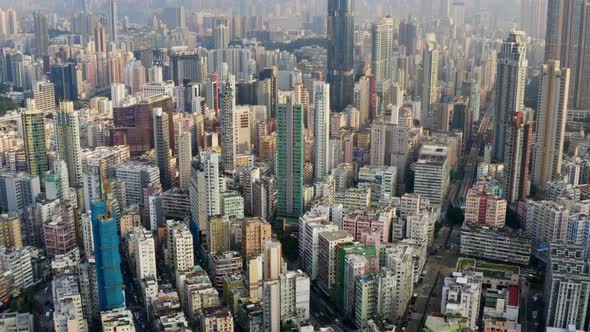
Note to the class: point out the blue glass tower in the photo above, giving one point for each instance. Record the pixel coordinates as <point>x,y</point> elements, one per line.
<point>340,73</point>
<point>107,256</point>
<point>63,77</point>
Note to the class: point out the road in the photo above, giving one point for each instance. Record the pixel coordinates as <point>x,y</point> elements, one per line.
<point>437,267</point>
<point>44,303</point>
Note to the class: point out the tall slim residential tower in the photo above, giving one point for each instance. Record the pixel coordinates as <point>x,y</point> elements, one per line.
<point>221,36</point>
<point>108,259</point>
<point>516,158</point>
<point>112,20</point>
<point>429,83</point>
<point>568,27</point>
<point>68,141</point>
<point>229,148</point>
<point>100,38</point>
<point>533,17</point>
<point>41,33</point>
<point>567,287</point>
<point>550,119</point>
<point>33,122</point>
<point>184,153</point>
<point>162,146</point>
<point>290,161</point>
<point>340,73</point>
<point>321,97</point>
<point>510,84</point>
<point>382,48</point>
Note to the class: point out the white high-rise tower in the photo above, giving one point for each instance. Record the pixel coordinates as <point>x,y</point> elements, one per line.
<point>321,97</point>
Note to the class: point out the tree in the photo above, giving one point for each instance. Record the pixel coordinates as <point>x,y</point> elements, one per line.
<point>290,243</point>
<point>512,219</point>
<point>7,104</point>
<point>4,87</point>
<point>455,216</point>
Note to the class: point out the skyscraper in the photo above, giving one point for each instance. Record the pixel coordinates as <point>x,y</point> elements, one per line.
<point>516,158</point>
<point>510,83</point>
<point>533,18</point>
<point>221,37</point>
<point>321,97</point>
<point>229,147</point>
<point>108,259</point>
<point>65,80</point>
<point>113,21</point>
<point>184,153</point>
<point>162,146</point>
<point>550,119</point>
<point>100,38</point>
<point>41,33</point>
<point>429,84</point>
<point>382,48</point>
<point>340,73</point>
<point>33,122</point>
<point>568,26</point>
<point>290,160</point>
<point>68,141</point>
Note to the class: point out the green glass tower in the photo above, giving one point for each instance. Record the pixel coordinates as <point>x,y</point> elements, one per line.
<point>290,160</point>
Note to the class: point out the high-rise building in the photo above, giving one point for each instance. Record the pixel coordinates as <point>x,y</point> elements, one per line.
<point>185,153</point>
<point>340,71</point>
<point>321,97</point>
<point>533,18</point>
<point>429,84</point>
<point>108,259</point>
<point>137,176</point>
<point>162,146</point>
<point>33,122</point>
<point>550,119</point>
<point>229,148</point>
<point>516,156</point>
<point>137,130</point>
<point>18,190</point>
<point>248,177</point>
<point>180,246</point>
<point>566,41</point>
<point>546,221</point>
<point>290,160</point>
<point>432,173</point>
<point>41,33</point>
<point>221,36</point>
<point>60,234</point>
<point>10,230</point>
<point>100,38</point>
<point>295,294</point>
<point>485,208</point>
<point>44,95</point>
<point>64,78</point>
<point>567,287</point>
<point>510,83</point>
<point>68,141</point>
<point>112,20</point>
<point>382,59</point>
<point>213,184</point>
<point>255,233</point>
<point>145,254</point>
